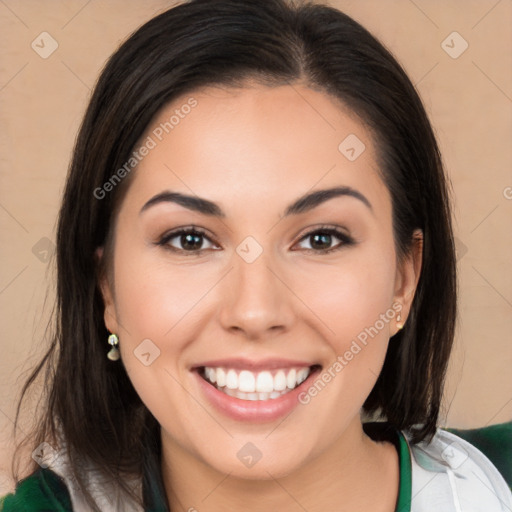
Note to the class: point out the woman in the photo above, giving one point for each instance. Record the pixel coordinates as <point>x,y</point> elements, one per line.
<point>256,280</point>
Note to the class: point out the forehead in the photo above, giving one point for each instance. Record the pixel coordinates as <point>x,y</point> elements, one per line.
<point>256,142</point>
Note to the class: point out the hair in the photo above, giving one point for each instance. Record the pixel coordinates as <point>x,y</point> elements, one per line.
<point>90,400</point>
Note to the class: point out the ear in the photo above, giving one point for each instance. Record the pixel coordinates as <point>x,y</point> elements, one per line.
<point>109,314</point>
<point>408,275</point>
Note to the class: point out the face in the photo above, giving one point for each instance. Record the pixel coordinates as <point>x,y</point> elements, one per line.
<point>262,290</point>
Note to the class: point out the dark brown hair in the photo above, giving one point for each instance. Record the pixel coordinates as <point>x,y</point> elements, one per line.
<point>226,42</point>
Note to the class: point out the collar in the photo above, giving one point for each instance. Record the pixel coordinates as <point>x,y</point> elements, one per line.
<point>450,474</point>
<point>384,431</point>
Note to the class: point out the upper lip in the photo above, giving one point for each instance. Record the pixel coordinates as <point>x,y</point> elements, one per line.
<point>241,363</point>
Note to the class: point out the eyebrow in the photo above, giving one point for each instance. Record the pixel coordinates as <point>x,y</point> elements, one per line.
<point>301,205</point>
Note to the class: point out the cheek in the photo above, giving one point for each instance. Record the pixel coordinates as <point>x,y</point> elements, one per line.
<point>353,302</point>
<point>351,295</point>
<point>153,295</point>
<point>155,306</point>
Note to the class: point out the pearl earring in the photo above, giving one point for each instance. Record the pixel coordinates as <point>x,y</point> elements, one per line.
<point>113,353</point>
<point>399,323</point>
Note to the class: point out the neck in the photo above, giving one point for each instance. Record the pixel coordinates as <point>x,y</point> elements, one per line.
<point>347,477</point>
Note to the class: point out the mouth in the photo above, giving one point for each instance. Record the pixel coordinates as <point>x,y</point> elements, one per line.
<point>261,386</point>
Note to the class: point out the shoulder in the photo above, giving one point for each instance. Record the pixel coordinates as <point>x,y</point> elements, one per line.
<point>42,491</point>
<point>495,441</point>
<point>448,470</point>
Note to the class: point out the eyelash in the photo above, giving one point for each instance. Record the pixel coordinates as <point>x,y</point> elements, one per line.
<point>345,239</point>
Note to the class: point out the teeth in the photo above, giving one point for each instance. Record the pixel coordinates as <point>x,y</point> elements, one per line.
<point>232,380</point>
<point>220,377</point>
<point>247,385</point>
<point>302,375</point>
<point>291,379</point>
<point>211,374</point>
<point>280,381</point>
<point>246,382</point>
<point>264,382</point>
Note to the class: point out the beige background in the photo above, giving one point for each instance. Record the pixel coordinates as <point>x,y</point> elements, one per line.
<point>468,98</point>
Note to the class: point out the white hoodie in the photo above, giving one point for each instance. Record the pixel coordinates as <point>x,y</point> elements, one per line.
<point>451,475</point>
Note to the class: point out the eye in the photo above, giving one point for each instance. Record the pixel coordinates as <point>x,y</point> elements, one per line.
<point>320,240</point>
<point>184,240</point>
<point>192,240</point>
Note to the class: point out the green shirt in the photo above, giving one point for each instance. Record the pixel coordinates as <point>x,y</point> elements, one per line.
<point>45,491</point>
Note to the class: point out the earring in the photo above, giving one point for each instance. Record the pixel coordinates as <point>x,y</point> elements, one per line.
<point>399,322</point>
<point>113,353</point>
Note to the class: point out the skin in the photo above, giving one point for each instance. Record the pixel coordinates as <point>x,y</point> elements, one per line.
<point>253,151</point>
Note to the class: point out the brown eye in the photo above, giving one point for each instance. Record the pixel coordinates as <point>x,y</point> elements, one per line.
<point>321,240</point>
<point>189,240</point>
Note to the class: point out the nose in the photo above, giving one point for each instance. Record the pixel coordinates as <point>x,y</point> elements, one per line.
<point>257,301</point>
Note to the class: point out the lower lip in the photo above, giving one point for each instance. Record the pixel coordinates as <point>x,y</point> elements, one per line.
<point>253,410</point>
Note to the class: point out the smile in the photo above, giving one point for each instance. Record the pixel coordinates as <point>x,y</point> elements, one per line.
<point>250,385</point>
